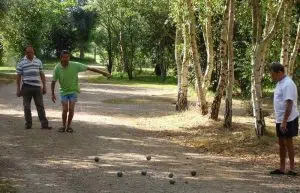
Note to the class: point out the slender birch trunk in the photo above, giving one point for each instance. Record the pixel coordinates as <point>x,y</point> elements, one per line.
<point>215,108</point>
<point>178,52</point>
<point>259,45</point>
<point>196,61</point>
<point>207,32</point>
<point>284,56</point>
<point>292,62</point>
<point>228,98</point>
<point>182,101</point>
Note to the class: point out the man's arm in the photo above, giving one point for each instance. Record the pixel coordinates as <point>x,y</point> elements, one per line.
<point>43,78</point>
<point>52,90</point>
<point>288,110</point>
<point>99,71</point>
<point>18,81</point>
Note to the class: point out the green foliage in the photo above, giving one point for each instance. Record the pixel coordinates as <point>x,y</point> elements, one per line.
<point>23,26</point>
<point>122,78</point>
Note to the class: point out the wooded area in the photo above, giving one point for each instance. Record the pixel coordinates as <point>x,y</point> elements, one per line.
<point>223,46</point>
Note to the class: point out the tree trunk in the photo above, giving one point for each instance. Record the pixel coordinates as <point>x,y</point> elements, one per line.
<point>215,108</point>
<point>81,50</point>
<point>196,61</point>
<point>95,54</point>
<point>256,89</point>
<point>178,52</point>
<point>162,65</point>
<point>209,48</point>
<point>284,56</point>
<point>228,98</point>
<point>182,101</point>
<point>124,57</point>
<point>292,62</point>
<point>259,50</point>
<point>109,50</point>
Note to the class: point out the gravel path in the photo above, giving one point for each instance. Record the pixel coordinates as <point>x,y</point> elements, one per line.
<point>40,161</point>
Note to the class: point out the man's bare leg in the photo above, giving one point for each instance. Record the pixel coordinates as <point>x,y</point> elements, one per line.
<point>291,152</point>
<point>71,113</point>
<point>282,154</point>
<point>64,113</point>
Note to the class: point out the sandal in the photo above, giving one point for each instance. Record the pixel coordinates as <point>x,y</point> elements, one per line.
<point>277,172</point>
<point>61,130</point>
<point>291,173</point>
<point>70,130</point>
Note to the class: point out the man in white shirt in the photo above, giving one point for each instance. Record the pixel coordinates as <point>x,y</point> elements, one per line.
<point>285,106</point>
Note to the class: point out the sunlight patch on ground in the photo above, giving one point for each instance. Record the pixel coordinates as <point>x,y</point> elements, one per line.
<point>76,164</point>
<point>132,157</point>
<point>280,186</point>
<point>119,139</point>
<point>130,91</point>
<point>140,100</point>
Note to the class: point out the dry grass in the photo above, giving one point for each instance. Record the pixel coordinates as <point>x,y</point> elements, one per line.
<point>140,100</point>
<point>193,130</point>
<point>6,187</point>
<point>6,78</point>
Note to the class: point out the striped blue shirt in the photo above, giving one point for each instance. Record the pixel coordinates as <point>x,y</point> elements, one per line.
<point>30,71</point>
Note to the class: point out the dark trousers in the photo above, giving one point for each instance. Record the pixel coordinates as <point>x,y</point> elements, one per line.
<point>29,92</point>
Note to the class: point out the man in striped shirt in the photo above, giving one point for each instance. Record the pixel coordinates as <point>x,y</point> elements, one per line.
<point>30,73</point>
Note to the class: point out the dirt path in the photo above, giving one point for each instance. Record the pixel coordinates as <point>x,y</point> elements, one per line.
<point>39,161</point>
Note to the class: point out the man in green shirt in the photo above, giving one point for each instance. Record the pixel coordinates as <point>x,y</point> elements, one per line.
<point>67,74</point>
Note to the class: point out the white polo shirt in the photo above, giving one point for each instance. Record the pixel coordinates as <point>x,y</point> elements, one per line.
<point>285,90</point>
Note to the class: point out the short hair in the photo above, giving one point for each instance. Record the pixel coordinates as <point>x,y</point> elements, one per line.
<point>276,67</point>
<point>29,46</point>
<point>63,52</point>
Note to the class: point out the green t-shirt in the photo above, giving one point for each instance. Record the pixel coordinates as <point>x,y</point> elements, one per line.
<point>68,77</point>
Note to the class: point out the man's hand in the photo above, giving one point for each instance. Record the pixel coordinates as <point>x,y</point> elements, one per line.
<point>283,127</point>
<point>19,94</point>
<point>53,98</point>
<point>44,90</point>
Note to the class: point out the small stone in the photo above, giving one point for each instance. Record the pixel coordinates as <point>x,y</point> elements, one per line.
<point>172,181</point>
<point>193,173</point>
<point>186,182</point>
<point>148,157</point>
<point>144,172</point>
<point>171,175</point>
<point>120,174</point>
<point>96,159</point>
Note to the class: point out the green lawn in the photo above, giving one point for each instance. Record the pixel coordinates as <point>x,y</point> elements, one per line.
<point>144,79</point>
<point>7,69</point>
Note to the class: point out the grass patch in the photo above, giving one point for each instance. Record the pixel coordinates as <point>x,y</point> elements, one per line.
<point>6,186</point>
<point>141,80</point>
<point>240,142</point>
<point>50,63</point>
<point>86,61</point>
<point>140,100</point>
<point>6,78</point>
<point>7,69</point>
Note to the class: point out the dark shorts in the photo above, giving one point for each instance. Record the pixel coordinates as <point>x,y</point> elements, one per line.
<point>292,129</point>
